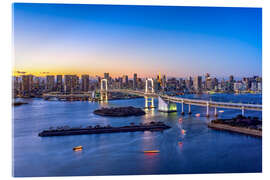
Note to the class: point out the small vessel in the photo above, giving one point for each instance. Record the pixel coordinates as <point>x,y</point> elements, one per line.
<point>221,111</point>
<point>77,148</point>
<point>183,131</point>
<point>197,115</point>
<point>151,151</point>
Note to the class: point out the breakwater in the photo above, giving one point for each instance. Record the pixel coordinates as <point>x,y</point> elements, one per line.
<point>153,126</point>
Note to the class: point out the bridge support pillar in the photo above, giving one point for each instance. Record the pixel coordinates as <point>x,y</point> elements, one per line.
<point>216,114</point>
<point>207,109</point>
<point>243,111</point>
<point>152,103</point>
<point>146,102</point>
<point>189,109</point>
<point>182,108</point>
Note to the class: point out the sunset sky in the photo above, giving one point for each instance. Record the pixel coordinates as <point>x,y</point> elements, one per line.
<point>177,41</point>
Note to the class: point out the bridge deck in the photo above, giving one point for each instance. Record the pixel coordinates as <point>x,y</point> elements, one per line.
<point>196,102</point>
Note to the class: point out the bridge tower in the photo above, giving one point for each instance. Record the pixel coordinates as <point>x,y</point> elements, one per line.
<point>102,85</point>
<point>147,101</point>
<point>147,84</point>
<point>104,91</point>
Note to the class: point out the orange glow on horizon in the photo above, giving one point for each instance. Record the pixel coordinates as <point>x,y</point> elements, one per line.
<point>43,73</point>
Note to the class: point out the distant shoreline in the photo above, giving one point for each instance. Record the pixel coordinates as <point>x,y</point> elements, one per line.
<point>242,130</point>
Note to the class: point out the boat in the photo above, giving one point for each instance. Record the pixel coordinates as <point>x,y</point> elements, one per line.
<point>197,115</point>
<point>77,148</point>
<point>183,131</point>
<point>151,151</point>
<point>221,111</point>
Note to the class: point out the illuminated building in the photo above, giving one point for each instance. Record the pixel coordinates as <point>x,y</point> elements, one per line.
<point>125,78</point>
<point>197,83</point>
<point>208,83</point>
<point>27,84</point>
<point>71,83</point>
<point>189,82</point>
<point>85,82</point>
<point>164,80</point>
<point>59,83</point>
<point>16,86</point>
<point>49,83</point>
<point>135,81</point>
<point>166,106</point>
<point>107,76</point>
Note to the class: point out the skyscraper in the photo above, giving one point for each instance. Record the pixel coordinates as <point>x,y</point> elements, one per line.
<point>231,79</point>
<point>107,76</point>
<point>71,83</point>
<point>135,81</point>
<point>50,83</point>
<point>16,86</point>
<point>214,83</point>
<point>189,82</point>
<point>164,80</point>
<point>231,82</point>
<point>59,83</point>
<point>125,78</point>
<point>207,75</point>
<point>85,82</point>
<point>198,83</point>
<point>27,84</point>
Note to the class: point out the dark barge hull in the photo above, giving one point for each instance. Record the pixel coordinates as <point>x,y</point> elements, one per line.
<point>102,130</point>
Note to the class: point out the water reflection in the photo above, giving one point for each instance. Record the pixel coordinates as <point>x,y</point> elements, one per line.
<point>104,97</point>
<point>149,100</point>
<point>149,114</point>
<point>122,153</point>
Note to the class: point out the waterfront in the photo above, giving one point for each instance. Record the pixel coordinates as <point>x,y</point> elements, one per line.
<point>203,150</point>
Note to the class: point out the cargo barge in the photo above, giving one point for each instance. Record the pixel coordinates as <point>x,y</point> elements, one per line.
<point>152,126</point>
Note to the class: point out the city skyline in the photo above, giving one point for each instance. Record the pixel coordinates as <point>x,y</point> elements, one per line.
<point>131,76</point>
<point>78,39</point>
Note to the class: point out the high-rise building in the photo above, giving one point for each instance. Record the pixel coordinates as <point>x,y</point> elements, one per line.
<point>253,86</point>
<point>259,86</point>
<point>231,83</point>
<point>59,83</point>
<point>125,78</point>
<point>214,83</point>
<point>71,83</point>
<point>198,83</point>
<point>135,81</point>
<point>208,83</point>
<point>27,85</point>
<point>207,75</point>
<point>85,82</point>
<point>231,79</point>
<point>16,86</point>
<point>237,86</point>
<point>107,76</point>
<point>50,83</point>
<point>164,81</point>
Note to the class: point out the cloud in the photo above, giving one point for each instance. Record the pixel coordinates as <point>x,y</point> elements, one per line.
<point>21,72</point>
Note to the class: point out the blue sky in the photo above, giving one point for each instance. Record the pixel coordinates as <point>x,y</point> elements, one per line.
<point>177,41</point>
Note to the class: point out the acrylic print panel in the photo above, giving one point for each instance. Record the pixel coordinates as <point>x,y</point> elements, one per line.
<point>135,90</point>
